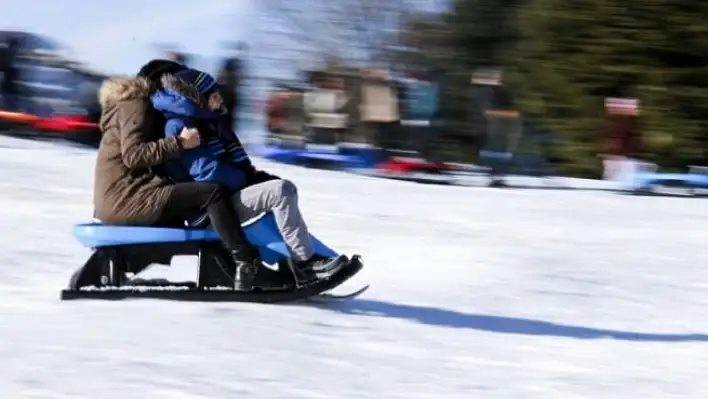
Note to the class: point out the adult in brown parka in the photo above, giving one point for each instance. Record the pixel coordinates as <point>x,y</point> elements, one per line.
<point>131,185</point>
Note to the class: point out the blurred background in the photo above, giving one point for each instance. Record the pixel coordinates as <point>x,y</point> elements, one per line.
<point>476,292</point>
<point>539,87</point>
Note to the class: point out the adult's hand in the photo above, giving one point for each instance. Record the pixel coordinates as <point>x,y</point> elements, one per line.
<point>190,138</point>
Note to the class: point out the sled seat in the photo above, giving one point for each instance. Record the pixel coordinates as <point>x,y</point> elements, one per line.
<point>121,251</point>
<point>262,232</point>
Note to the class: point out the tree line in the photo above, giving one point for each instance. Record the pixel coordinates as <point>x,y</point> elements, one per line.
<point>560,60</point>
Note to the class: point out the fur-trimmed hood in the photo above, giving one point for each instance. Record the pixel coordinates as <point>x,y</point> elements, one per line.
<point>119,89</point>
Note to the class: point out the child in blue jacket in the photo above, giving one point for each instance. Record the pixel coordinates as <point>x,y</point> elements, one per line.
<point>220,158</point>
<point>190,98</point>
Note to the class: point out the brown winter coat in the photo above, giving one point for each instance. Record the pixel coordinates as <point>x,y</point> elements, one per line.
<point>127,189</point>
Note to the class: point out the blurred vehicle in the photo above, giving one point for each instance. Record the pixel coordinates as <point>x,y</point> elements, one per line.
<point>56,96</point>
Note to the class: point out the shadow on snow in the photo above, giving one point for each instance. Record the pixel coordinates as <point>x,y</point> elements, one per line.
<point>499,324</point>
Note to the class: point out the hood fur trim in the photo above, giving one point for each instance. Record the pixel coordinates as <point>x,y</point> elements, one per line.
<point>119,89</point>
<point>171,82</point>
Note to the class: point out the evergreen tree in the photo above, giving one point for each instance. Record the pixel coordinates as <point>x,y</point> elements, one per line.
<point>571,55</point>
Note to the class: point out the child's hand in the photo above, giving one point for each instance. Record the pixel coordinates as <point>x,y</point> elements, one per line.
<point>189,138</point>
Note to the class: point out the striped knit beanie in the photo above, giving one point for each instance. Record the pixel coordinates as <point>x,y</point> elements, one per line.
<point>202,81</point>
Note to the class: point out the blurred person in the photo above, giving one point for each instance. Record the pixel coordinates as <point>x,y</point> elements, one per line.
<point>379,107</point>
<point>86,95</point>
<point>621,143</point>
<point>275,111</point>
<point>131,182</point>
<point>229,79</point>
<point>325,108</point>
<point>190,99</point>
<point>284,115</point>
<point>294,113</point>
<point>420,111</point>
<point>9,87</point>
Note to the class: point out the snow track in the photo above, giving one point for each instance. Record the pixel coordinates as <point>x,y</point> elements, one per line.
<point>476,293</point>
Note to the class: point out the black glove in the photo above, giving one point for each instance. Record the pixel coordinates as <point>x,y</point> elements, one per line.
<point>259,176</point>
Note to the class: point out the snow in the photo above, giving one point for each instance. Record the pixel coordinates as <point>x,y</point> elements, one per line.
<point>476,293</point>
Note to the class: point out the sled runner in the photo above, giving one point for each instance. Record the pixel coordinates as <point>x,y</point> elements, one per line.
<point>118,251</point>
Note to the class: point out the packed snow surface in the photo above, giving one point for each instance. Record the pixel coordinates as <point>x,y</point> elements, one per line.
<point>476,293</point>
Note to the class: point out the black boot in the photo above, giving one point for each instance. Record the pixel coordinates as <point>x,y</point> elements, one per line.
<point>250,272</point>
<point>253,275</point>
<point>247,265</point>
<point>226,223</point>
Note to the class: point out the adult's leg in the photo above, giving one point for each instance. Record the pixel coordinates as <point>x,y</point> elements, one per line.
<point>191,199</point>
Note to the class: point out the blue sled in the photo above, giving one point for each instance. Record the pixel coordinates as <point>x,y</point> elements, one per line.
<point>120,253</point>
<point>340,159</point>
<point>261,232</point>
<point>646,181</point>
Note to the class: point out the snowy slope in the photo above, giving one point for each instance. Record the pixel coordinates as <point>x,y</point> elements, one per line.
<point>477,293</point>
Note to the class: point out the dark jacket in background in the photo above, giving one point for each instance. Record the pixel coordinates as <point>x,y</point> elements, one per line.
<point>229,78</point>
<point>10,74</point>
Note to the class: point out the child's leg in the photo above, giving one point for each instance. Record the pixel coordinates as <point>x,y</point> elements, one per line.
<point>280,197</point>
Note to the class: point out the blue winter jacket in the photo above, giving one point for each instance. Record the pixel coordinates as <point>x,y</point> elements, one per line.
<point>220,158</point>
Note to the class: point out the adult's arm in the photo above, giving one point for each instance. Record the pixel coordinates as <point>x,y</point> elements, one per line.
<point>137,148</point>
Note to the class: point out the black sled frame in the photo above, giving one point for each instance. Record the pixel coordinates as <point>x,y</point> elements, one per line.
<point>104,276</point>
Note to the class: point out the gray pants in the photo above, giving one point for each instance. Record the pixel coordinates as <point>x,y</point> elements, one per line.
<point>279,197</point>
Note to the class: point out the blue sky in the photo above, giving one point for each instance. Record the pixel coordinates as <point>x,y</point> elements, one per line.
<point>118,36</point>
